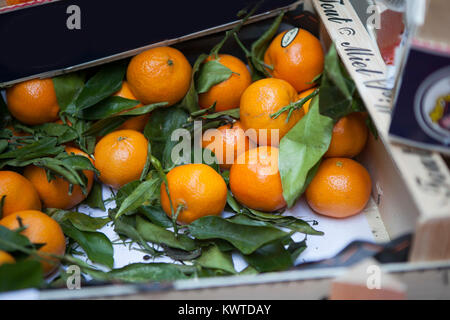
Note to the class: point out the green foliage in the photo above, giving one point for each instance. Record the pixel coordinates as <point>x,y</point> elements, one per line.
<point>21,275</point>
<point>211,73</point>
<point>301,150</point>
<point>159,132</point>
<point>67,88</point>
<point>155,234</point>
<point>95,198</point>
<point>89,110</point>
<point>102,85</point>
<point>212,227</point>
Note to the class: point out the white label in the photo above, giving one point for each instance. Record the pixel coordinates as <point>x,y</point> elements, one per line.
<point>289,37</point>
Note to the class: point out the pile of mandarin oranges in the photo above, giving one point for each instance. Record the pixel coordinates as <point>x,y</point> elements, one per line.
<point>341,187</point>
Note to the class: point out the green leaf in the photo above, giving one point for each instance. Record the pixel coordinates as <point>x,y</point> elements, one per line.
<point>102,85</point>
<point>269,258</point>
<point>181,255</point>
<point>336,89</point>
<point>144,109</point>
<point>96,245</point>
<point>8,237</point>
<point>108,107</point>
<point>259,48</point>
<point>213,258</point>
<point>125,192</point>
<point>159,130</point>
<point>63,132</point>
<point>301,149</point>
<point>211,73</point>
<point>3,145</point>
<point>298,225</point>
<point>212,227</point>
<point>257,218</point>
<point>156,215</point>
<point>83,222</point>
<point>67,169</point>
<point>4,113</point>
<point>95,198</point>
<point>190,101</point>
<point>2,203</point>
<point>103,127</point>
<point>245,220</point>
<point>234,113</point>
<point>249,271</point>
<point>86,143</point>
<point>296,249</point>
<point>127,226</point>
<point>158,235</point>
<point>77,162</point>
<point>67,87</point>
<point>41,148</point>
<point>21,275</point>
<point>148,163</point>
<point>79,220</point>
<point>233,204</point>
<point>265,215</point>
<point>144,193</point>
<point>147,272</point>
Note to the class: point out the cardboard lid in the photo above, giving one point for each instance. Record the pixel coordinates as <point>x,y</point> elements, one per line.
<point>46,38</point>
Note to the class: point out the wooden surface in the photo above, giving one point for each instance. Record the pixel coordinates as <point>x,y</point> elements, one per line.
<point>425,174</point>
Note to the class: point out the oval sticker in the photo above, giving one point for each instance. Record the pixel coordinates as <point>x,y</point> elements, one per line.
<point>289,37</point>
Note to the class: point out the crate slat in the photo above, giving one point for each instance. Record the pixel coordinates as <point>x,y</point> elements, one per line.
<point>425,173</point>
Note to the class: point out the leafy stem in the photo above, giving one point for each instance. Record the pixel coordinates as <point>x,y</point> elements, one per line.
<point>215,51</point>
<point>180,208</point>
<point>201,112</point>
<point>294,106</point>
<point>249,55</point>
<point>2,202</point>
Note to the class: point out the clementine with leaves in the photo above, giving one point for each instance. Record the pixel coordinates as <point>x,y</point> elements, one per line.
<point>160,74</point>
<point>120,157</point>
<point>255,179</point>
<point>135,123</point>
<point>39,229</point>
<point>227,94</point>
<point>18,192</point>
<point>227,143</point>
<point>260,101</point>
<point>295,56</point>
<point>33,102</point>
<point>340,189</point>
<point>196,191</point>
<point>56,193</point>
